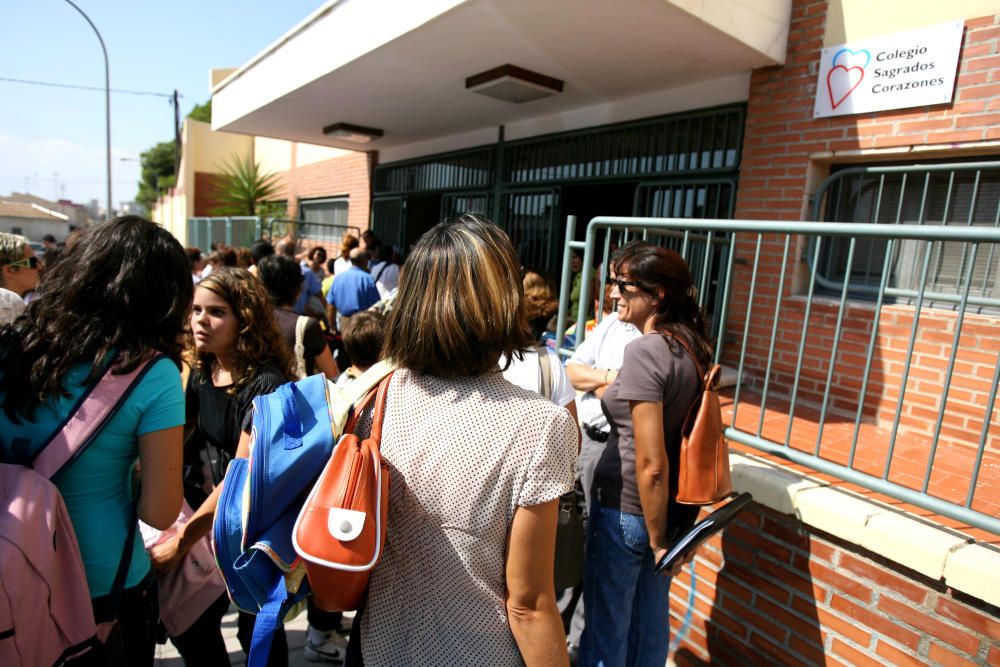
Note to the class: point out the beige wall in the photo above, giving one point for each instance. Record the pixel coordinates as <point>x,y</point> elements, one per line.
<point>849,20</point>
<point>208,151</point>
<point>171,213</point>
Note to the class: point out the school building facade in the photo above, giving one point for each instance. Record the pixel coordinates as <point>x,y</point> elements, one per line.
<point>530,112</point>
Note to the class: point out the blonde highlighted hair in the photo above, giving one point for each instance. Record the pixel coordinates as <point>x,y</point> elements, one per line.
<point>461,302</point>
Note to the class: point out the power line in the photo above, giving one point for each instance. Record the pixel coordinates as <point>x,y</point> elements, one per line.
<point>98,89</point>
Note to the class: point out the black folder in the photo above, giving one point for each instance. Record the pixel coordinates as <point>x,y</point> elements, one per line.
<point>703,531</point>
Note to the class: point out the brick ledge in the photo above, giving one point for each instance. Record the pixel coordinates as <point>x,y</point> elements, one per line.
<point>943,555</point>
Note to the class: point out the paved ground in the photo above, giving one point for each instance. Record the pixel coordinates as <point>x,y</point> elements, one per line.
<point>166,656</point>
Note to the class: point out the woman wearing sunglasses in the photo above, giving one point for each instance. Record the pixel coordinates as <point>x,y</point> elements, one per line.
<point>95,307</point>
<point>18,275</point>
<point>632,519</point>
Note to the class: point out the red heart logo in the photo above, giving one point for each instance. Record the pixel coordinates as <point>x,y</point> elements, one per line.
<point>840,77</point>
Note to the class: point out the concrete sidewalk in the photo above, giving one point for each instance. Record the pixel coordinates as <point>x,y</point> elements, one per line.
<point>167,656</point>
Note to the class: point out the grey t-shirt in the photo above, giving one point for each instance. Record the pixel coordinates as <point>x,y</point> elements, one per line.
<point>653,370</point>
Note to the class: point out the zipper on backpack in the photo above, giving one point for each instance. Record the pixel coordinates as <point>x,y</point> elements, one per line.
<point>260,454</point>
<point>223,553</point>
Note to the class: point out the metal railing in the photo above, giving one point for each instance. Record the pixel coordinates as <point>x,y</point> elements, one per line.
<point>963,194</point>
<point>818,359</point>
<point>243,231</point>
<point>233,231</point>
<point>316,233</point>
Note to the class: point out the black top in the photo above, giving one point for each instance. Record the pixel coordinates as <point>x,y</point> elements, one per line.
<point>215,419</point>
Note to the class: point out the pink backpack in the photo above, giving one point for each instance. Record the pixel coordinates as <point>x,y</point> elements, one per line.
<point>46,613</point>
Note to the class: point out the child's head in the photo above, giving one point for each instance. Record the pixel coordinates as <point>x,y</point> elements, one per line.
<point>363,337</point>
<point>233,317</point>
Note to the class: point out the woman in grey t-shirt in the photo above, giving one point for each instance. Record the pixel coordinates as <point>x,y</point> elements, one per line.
<point>632,517</point>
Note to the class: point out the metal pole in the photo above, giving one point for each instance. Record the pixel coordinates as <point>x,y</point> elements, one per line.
<point>107,102</point>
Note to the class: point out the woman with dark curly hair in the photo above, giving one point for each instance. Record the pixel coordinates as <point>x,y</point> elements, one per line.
<point>237,353</point>
<point>93,308</point>
<point>633,518</point>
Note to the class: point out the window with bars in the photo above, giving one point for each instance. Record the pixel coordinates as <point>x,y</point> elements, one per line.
<point>326,211</point>
<point>959,194</point>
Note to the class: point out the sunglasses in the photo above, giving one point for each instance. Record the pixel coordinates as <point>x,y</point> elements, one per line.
<point>27,262</point>
<point>622,284</point>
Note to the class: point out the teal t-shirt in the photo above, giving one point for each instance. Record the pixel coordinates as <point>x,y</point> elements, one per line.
<point>97,486</point>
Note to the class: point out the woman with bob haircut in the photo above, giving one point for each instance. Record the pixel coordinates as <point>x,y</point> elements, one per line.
<point>95,307</point>
<point>477,466</point>
<point>633,519</point>
<point>237,353</point>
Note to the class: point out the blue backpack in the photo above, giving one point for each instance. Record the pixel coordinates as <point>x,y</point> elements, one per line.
<point>293,435</point>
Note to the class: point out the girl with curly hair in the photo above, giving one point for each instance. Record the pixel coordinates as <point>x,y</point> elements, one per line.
<point>237,353</point>
<point>95,308</point>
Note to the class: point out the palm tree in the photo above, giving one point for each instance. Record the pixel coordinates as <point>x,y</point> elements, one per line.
<point>242,188</point>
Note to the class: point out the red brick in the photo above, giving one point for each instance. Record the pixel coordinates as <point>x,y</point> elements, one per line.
<point>918,618</point>
<point>975,92</point>
<point>843,628</point>
<point>981,22</point>
<point>883,577</point>
<point>969,617</point>
<point>853,655</point>
<point>841,583</point>
<point>875,621</point>
<point>938,653</point>
<point>772,649</point>
<point>896,657</point>
<point>811,649</point>
<point>926,125</point>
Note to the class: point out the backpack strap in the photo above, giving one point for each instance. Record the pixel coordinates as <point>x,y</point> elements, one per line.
<point>92,413</point>
<point>300,347</point>
<point>545,370</point>
<point>694,357</point>
<point>343,400</point>
<point>360,406</point>
<point>385,265</point>
<point>86,421</point>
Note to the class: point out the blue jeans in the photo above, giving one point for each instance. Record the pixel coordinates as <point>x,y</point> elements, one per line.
<point>627,605</point>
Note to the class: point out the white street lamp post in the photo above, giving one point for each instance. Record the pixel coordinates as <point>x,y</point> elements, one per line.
<point>107,102</point>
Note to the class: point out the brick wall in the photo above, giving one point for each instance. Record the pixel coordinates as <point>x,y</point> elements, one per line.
<point>345,176</point>
<point>771,590</point>
<point>205,185</point>
<point>780,141</point>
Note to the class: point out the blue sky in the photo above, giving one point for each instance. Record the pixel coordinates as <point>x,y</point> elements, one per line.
<point>152,46</point>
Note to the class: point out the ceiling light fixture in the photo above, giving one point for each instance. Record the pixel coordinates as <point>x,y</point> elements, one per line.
<point>513,84</point>
<point>357,134</point>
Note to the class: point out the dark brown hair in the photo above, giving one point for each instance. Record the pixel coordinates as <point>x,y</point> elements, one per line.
<point>363,337</point>
<point>121,287</point>
<point>460,304</point>
<point>664,274</point>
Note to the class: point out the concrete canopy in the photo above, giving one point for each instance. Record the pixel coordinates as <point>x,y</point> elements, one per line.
<point>401,66</point>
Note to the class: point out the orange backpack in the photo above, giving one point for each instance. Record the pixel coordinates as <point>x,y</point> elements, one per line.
<point>703,477</point>
<point>340,531</point>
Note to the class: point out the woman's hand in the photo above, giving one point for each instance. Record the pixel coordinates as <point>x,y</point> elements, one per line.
<point>677,568</point>
<point>167,554</point>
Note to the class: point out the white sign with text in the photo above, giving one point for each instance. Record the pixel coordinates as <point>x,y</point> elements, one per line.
<point>906,69</point>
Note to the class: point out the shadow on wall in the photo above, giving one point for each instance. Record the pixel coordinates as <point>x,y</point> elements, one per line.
<point>763,604</point>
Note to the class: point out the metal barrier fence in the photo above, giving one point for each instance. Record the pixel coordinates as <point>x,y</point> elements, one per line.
<point>233,231</point>
<point>243,231</point>
<point>789,342</point>
<point>315,233</point>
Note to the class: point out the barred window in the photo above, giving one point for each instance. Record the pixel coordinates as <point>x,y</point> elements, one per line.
<point>955,194</point>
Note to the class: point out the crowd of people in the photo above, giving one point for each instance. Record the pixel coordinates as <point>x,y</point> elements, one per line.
<point>485,430</point>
